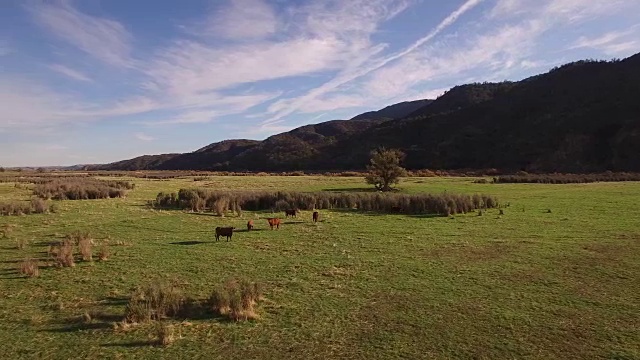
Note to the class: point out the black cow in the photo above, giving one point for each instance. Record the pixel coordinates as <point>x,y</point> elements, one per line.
<point>224,231</point>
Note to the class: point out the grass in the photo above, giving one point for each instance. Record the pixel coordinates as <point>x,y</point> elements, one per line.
<point>527,284</point>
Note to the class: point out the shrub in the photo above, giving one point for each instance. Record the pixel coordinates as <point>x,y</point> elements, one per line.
<point>81,189</point>
<point>154,302</point>
<point>29,267</point>
<point>36,206</point>
<point>443,204</point>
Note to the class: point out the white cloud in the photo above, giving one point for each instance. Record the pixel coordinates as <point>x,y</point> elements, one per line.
<point>612,43</point>
<point>74,74</point>
<point>104,39</point>
<point>242,19</point>
<point>143,137</point>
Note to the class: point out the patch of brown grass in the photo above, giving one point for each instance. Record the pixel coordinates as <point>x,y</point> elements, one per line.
<point>29,267</point>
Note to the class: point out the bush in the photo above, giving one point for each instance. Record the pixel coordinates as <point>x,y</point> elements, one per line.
<point>415,204</point>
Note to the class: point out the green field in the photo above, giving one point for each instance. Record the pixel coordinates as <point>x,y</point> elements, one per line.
<point>530,284</point>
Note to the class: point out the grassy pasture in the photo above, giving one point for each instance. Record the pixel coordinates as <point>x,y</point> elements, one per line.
<point>528,284</point>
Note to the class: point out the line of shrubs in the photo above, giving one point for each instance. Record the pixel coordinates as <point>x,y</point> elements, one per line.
<point>221,201</point>
<point>35,206</point>
<point>558,178</point>
<point>82,189</point>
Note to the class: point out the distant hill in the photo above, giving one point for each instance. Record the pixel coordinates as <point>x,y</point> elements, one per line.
<point>580,117</point>
<point>396,111</point>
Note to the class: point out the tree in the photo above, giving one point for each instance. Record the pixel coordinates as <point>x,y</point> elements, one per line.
<point>385,169</point>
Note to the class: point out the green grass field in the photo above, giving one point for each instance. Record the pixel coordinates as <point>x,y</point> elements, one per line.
<point>530,284</point>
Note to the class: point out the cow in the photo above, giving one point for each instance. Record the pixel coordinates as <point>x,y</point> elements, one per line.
<point>249,225</point>
<point>224,231</point>
<point>316,215</point>
<point>291,212</point>
<point>274,222</point>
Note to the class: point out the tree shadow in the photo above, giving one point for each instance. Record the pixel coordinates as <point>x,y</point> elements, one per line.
<point>356,189</point>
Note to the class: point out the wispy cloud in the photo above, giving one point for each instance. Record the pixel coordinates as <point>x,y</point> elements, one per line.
<point>612,43</point>
<point>289,106</point>
<point>240,20</point>
<point>143,137</point>
<point>104,39</point>
<point>74,74</point>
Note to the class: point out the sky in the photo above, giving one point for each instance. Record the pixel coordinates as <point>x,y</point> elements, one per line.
<point>97,81</point>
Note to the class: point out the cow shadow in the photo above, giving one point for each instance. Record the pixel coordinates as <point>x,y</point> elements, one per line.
<point>187,243</point>
<point>132,344</point>
<point>248,231</point>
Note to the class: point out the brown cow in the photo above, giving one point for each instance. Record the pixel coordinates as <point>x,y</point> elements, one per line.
<point>224,231</point>
<point>316,215</point>
<point>274,222</point>
<point>291,212</point>
<point>249,225</point>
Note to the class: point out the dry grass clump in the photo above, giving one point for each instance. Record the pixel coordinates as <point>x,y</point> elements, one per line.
<point>29,267</point>
<point>165,334</point>
<point>85,244</point>
<point>236,299</point>
<point>104,252</point>
<point>62,254</point>
<point>416,204</point>
<point>21,243</point>
<point>156,301</point>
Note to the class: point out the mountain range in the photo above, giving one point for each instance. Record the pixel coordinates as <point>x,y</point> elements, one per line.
<point>580,117</point>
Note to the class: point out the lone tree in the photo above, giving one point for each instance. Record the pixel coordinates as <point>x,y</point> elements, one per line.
<point>385,169</point>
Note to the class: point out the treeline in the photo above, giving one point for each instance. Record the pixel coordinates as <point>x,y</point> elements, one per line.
<point>414,204</point>
<point>566,178</point>
<point>82,189</point>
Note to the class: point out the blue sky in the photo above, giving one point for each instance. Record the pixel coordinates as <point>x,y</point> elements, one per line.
<point>96,81</point>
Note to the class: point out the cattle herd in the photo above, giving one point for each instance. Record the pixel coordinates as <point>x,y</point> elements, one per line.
<point>273,223</point>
